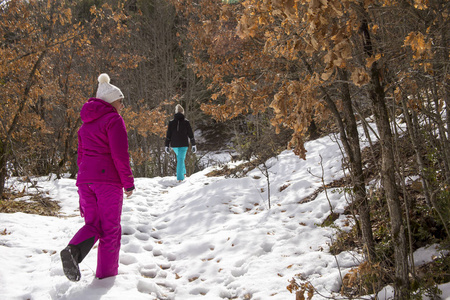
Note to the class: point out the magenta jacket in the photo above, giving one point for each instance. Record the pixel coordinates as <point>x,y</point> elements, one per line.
<point>103,146</point>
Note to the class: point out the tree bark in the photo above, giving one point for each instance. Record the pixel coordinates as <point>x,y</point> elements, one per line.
<point>377,97</point>
<point>2,168</point>
<point>355,159</point>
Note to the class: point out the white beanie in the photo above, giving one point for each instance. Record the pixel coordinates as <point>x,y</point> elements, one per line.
<point>106,91</point>
<point>179,109</point>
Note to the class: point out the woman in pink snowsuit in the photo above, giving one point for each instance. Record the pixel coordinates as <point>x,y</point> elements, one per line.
<point>104,171</point>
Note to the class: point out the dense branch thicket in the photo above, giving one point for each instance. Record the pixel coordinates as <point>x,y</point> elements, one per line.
<point>51,54</point>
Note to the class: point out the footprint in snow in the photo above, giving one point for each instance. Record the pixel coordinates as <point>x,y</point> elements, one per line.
<point>161,226</point>
<point>144,228</point>
<point>267,246</point>
<point>142,236</point>
<point>155,235</point>
<point>126,218</point>
<point>132,248</point>
<point>157,252</point>
<point>166,285</point>
<point>171,257</point>
<point>128,230</point>
<point>239,271</point>
<point>148,247</point>
<point>127,208</point>
<point>142,209</point>
<point>140,192</point>
<point>199,291</point>
<point>127,259</point>
<point>239,263</point>
<point>149,271</point>
<point>150,288</point>
<point>125,240</point>
<point>164,265</point>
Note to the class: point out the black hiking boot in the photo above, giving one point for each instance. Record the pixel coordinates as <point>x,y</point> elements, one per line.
<point>69,258</point>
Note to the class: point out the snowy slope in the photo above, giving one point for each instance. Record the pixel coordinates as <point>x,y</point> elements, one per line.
<point>204,238</point>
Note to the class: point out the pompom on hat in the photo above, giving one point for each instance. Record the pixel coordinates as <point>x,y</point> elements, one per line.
<point>106,91</point>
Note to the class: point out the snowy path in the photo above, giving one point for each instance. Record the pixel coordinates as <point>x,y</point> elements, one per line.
<point>205,238</point>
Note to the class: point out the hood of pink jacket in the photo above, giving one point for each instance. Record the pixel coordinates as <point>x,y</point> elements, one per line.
<point>103,146</point>
<point>94,109</point>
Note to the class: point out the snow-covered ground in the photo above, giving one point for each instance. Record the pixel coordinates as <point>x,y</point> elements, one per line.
<point>204,238</point>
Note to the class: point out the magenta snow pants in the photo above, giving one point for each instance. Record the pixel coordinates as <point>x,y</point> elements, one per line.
<point>101,206</point>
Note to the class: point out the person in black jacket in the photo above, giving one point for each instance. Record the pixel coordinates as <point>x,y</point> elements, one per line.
<point>179,132</point>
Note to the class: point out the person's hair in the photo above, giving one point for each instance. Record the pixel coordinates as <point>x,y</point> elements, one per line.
<point>179,109</point>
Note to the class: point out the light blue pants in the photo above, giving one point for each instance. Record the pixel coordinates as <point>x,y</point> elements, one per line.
<point>180,152</point>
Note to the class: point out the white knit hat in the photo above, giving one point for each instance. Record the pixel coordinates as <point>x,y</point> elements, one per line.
<point>106,91</point>
<point>179,109</point>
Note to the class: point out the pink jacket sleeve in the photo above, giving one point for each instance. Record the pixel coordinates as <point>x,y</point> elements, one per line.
<point>118,141</point>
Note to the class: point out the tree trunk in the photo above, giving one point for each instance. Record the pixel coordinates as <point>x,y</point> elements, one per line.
<point>443,56</point>
<point>3,161</point>
<point>359,186</point>
<point>377,97</point>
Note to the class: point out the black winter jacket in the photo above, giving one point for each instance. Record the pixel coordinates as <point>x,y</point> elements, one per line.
<point>178,132</point>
